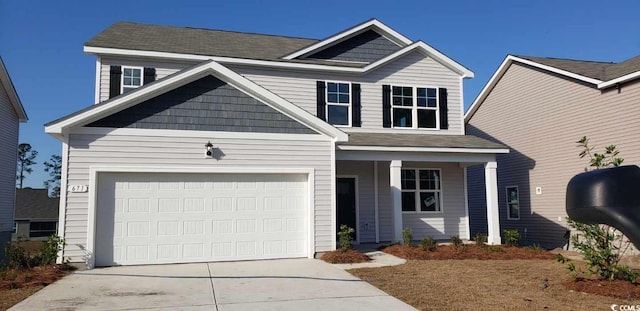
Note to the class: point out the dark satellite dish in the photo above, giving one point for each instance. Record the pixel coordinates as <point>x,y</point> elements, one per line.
<point>607,196</point>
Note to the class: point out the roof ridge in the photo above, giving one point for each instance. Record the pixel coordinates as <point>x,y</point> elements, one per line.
<point>569,59</point>
<point>219,30</point>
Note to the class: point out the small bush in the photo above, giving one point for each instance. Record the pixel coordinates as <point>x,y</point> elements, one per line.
<point>19,258</point>
<point>407,236</point>
<point>428,244</point>
<point>496,248</point>
<point>49,251</point>
<point>344,238</point>
<point>456,242</point>
<point>536,247</point>
<point>511,237</point>
<point>481,239</point>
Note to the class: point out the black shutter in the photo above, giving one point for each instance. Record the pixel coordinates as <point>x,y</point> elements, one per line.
<point>149,75</point>
<point>355,105</point>
<point>114,81</point>
<point>386,106</point>
<point>444,110</point>
<point>322,103</point>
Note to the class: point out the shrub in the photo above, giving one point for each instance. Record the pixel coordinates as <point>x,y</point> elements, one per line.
<point>481,239</point>
<point>511,237</point>
<point>496,248</point>
<point>407,236</point>
<point>344,237</point>
<point>428,244</point>
<point>536,247</point>
<point>19,258</point>
<point>49,251</point>
<point>456,241</point>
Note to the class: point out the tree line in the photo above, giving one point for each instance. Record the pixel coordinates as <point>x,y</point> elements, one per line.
<point>26,158</point>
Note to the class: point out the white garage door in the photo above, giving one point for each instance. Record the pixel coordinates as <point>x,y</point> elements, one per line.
<point>172,218</point>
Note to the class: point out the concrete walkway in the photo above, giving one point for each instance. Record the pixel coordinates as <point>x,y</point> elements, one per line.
<point>379,259</point>
<point>291,284</point>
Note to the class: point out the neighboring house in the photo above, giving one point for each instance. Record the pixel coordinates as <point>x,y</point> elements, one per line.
<point>209,145</point>
<point>36,216</point>
<point>540,108</point>
<point>11,114</point>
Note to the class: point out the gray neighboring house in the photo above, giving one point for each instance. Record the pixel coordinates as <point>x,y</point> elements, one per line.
<point>36,215</point>
<point>11,114</point>
<point>540,107</point>
<point>210,145</point>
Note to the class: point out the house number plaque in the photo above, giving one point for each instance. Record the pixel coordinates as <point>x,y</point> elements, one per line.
<point>78,188</point>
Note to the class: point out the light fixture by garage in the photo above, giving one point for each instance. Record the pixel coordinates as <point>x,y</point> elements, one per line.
<point>209,147</point>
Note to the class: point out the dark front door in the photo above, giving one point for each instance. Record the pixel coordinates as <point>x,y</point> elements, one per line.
<point>346,203</point>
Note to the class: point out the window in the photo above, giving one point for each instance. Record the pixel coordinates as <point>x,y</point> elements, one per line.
<point>339,103</point>
<point>513,203</point>
<point>421,190</point>
<point>42,229</point>
<point>131,78</point>
<point>414,107</point>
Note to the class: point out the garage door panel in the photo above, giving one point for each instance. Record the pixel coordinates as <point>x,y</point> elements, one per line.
<point>168,218</point>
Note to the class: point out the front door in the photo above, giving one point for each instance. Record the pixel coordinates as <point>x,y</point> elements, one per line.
<point>346,203</point>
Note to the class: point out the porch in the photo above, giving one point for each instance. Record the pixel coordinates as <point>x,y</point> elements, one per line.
<point>381,189</point>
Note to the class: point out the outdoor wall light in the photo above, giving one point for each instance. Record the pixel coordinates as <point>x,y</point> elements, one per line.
<point>209,147</point>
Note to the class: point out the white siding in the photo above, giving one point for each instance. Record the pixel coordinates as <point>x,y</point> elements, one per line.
<point>299,87</point>
<point>540,116</point>
<point>8,153</point>
<point>452,220</point>
<point>99,150</point>
<point>366,196</point>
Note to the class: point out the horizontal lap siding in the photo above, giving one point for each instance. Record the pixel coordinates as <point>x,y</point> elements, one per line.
<point>540,117</point>
<point>366,196</point>
<point>98,150</point>
<point>8,154</point>
<point>439,226</point>
<point>413,69</point>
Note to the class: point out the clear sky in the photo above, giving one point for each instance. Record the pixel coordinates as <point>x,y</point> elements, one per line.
<point>41,41</point>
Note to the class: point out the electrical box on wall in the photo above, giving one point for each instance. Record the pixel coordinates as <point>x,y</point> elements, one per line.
<point>538,190</point>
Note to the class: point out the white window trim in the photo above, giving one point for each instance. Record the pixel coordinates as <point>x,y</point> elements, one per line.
<point>507,202</point>
<point>122,86</point>
<point>418,191</point>
<point>415,108</point>
<point>349,105</point>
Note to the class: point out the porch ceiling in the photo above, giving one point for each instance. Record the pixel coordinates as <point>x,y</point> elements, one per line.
<point>419,141</point>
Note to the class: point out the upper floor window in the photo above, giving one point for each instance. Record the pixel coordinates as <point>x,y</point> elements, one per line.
<point>421,190</point>
<point>338,103</point>
<point>414,107</point>
<point>513,203</point>
<point>131,78</point>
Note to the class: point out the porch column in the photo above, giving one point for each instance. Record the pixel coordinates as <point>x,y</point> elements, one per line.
<point>396,198</point>
<point>493,215</point>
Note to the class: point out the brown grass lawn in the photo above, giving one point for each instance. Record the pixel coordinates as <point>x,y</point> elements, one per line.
<point>484,285</point>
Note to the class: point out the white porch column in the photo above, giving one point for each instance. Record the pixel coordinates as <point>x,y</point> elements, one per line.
<point>493,215</point>
<point>395,184</point>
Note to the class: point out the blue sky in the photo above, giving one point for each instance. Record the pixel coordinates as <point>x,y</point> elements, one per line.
<point>41,41</point>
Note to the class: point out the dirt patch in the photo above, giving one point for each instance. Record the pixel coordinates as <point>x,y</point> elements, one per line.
<point>16,285</point>
<point>484,285</point>
<point>350,256</point>
<point>468,251</point>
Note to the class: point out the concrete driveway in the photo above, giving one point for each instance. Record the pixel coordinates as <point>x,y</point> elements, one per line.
<point>289,284</point>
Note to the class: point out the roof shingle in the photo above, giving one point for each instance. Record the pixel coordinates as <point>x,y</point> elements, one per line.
<point>420,141</point>
<point>603,71</point>
<point>35,204</point>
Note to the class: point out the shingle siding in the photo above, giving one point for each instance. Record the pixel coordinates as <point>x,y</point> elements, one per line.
<point>86,150</point>
<point>207,104</point>
<point>366,47</point>
<point>8,154</point>
<point>540,117</point>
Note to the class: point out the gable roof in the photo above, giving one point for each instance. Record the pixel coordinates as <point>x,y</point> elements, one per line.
<point>7,84</point>
<point>59,127</point>
<point>35,204</point>
<point>192,44</point>
<point>600,74</point>
<point>372,24</point>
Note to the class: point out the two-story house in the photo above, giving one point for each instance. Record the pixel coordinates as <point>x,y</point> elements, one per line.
<point>540,107</point>
<point>209,145</point>
<point>11,114</point>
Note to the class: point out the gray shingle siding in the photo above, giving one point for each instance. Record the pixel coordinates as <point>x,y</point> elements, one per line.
<point>368,47</point>
<point>207,104</point>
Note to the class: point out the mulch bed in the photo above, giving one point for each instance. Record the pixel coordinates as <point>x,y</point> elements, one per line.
<point>616,288</point>
<point>469,251</point>
<point>16,285</point>
<point>350,256</point>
